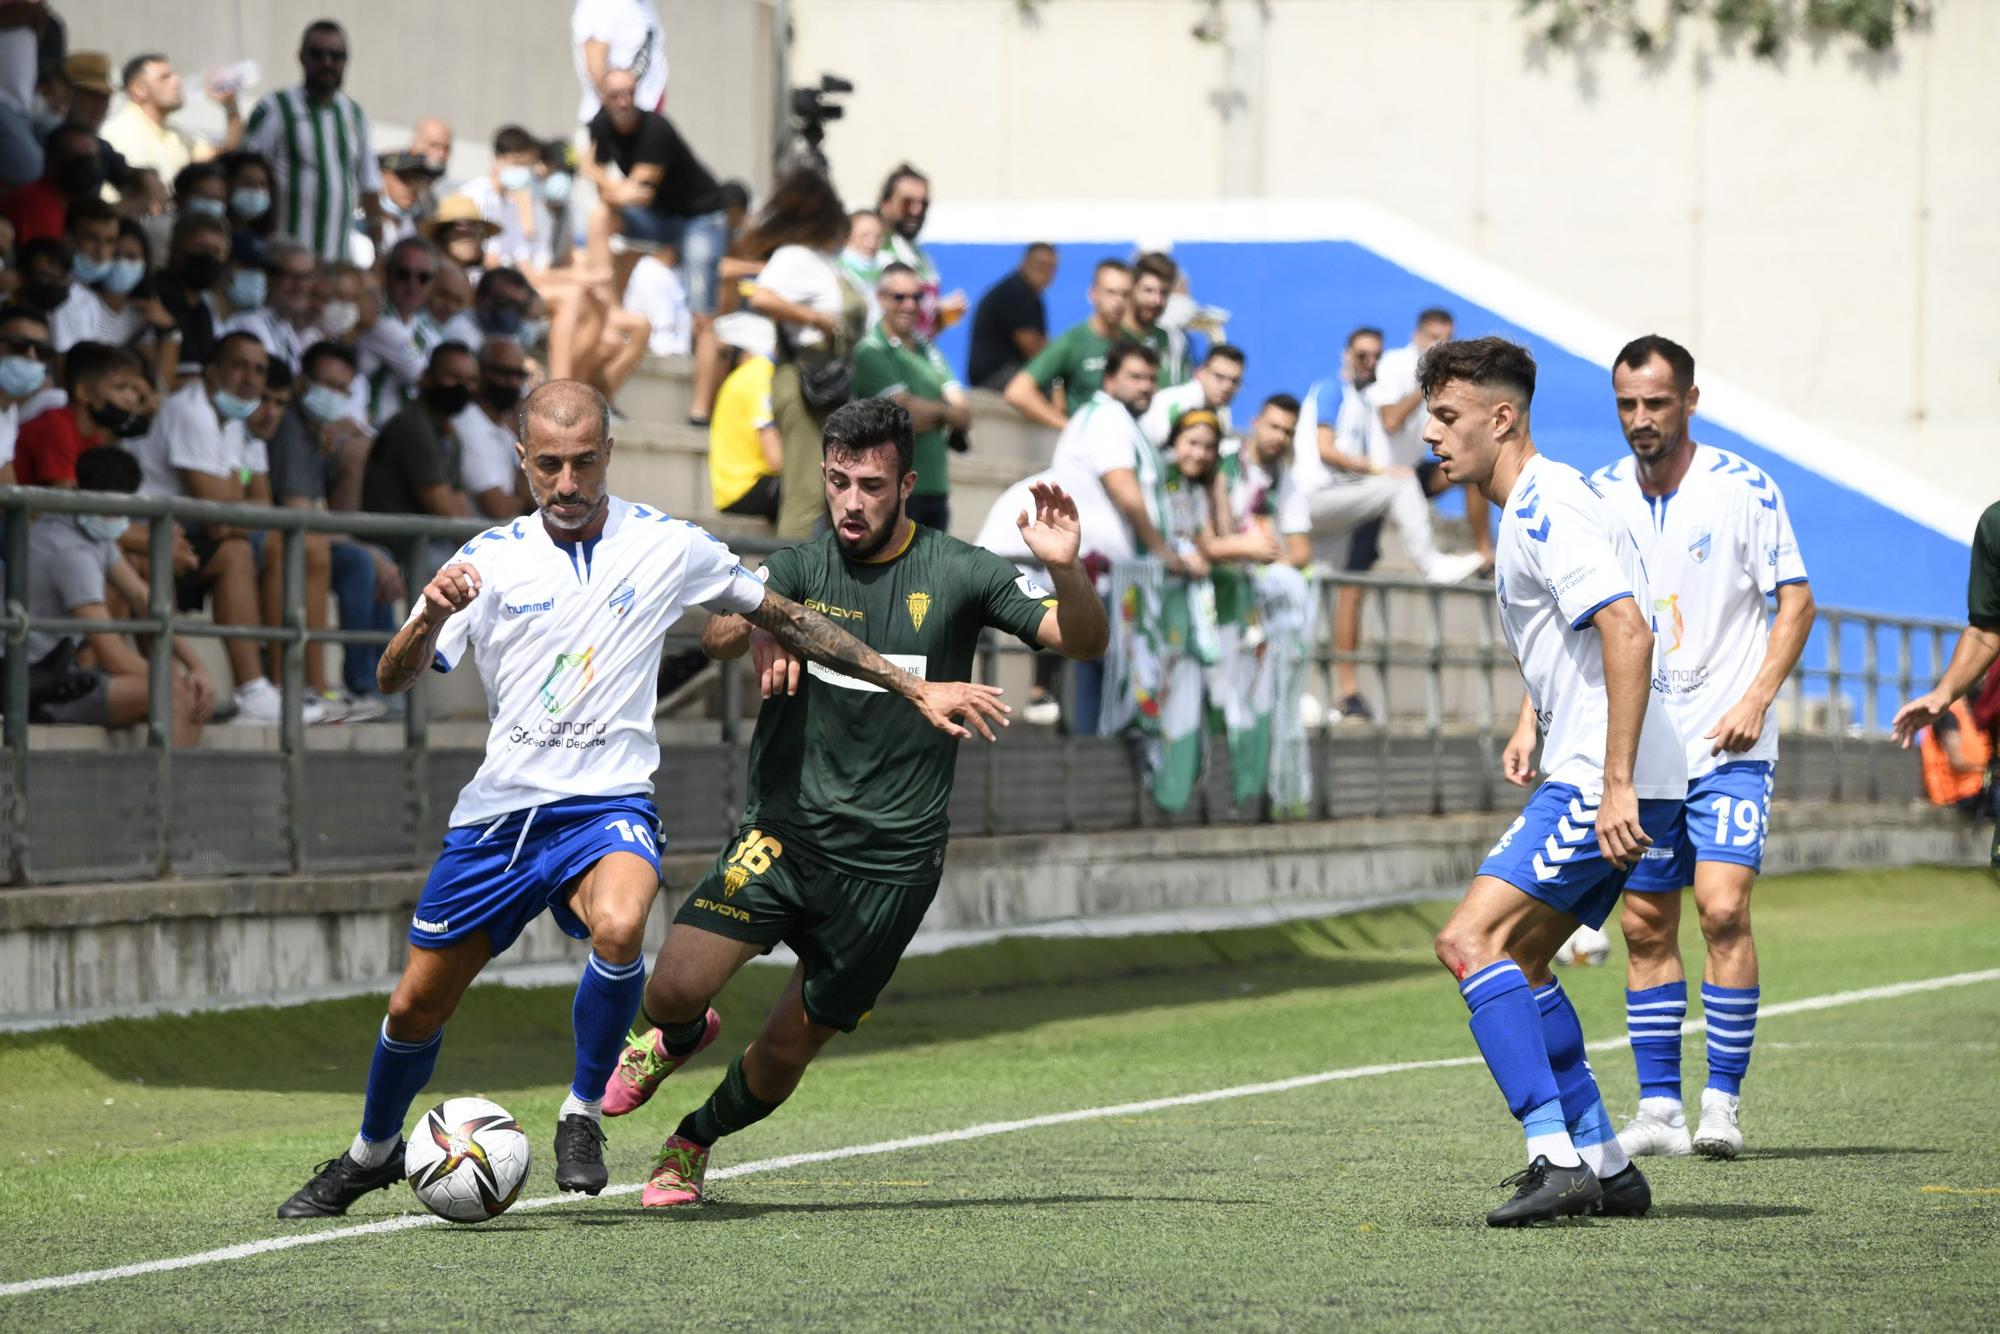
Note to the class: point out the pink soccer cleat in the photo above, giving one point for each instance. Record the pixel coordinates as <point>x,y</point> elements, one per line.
<point>677,1175</point>
<point>644,1063</point>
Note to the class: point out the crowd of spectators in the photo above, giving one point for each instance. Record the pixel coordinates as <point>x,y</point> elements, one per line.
<point>283,315</point>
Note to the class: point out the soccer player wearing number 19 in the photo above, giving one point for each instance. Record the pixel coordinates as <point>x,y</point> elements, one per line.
<point>1717,543</point>
<point>843,841</point>
<point>1572,598</point>
<point>566,614</point>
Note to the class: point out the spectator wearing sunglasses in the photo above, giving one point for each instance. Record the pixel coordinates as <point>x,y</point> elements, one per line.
<point>25,357</point>
<point>396,346</point>
<point>316,139</point>
<point>895,362</point>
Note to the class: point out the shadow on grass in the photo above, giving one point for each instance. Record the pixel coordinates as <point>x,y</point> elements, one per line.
<point>730,1211</point>
<point>1840,1151</point>
<point>509,1037</point>
<point>1734,1213</point>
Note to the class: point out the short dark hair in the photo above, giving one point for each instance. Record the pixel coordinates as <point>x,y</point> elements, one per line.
<point>511,139</point>
<point>44,247</point>
<point>1283,403</point>
<point>1228,352</point>
<point>88,362</point>
<point>1104,264</point>
<point>1036,247</point>
<point>902,171</point>
<point>1124,350</point>
<point>865,424</point>
<point>17,310</point>
<point>1365,331</point>
<point>70,129</point>
<point>1487,362</point>
<point>450,347</point>
<point>324,349</point>
<point>1159,265</point>
<point>1434,315</point>
<point>223,343</point>
<point>895,268</point>
<point>278,376</point>
<point>319,26</point>
<point>137,66</point>
<point>108,468</point>
<point>733,194</point>
<point>1635,354</point>
<point>194,174</point>
<point>494,279</point>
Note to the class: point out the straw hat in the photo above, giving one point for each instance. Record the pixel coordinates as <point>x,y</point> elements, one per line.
<point>457,208</point>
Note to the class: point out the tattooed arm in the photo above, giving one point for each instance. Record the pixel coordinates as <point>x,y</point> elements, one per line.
<point>810,635</point>
<point>409,654</point>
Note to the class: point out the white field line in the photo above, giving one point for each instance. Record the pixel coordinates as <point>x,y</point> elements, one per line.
<point>249,1249</point>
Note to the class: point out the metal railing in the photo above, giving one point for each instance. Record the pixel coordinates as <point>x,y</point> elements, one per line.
<point>1441,681</point>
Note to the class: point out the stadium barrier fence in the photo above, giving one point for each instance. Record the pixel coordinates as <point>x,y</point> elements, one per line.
<point>1443,683</point>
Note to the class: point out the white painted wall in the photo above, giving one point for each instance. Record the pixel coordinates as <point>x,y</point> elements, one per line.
<point>1826,233</point>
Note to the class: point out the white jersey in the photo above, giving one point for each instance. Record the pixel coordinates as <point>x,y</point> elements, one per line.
<point>1563,555</point>
<point>567,637</point>
<point>1716,548</point>
<point>1170,405</point>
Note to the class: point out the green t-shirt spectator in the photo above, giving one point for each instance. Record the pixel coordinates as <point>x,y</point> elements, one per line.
<point>885,365</point>
<point>1173,369</point>
<point>1076,360</point>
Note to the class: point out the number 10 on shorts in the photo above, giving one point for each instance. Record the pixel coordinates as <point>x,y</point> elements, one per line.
<point>634,833</point>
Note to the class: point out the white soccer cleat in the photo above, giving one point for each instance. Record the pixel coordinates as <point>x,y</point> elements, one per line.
<point>1454,569</point>
<point>1650,1135</point>
<point>1586,946</point>
<point>1720,1135</point>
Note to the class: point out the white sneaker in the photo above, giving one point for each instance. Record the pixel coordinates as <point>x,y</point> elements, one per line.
<point>1651,1135</point>
<point>261,704</point>
<point>1041,710</point>
<point>1454,569</point>
<point>333,705</point>
<point>1720,1135</point>
<point>365,708</point>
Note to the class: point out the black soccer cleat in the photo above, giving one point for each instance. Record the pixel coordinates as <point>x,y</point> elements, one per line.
<point>580,1155</point>
<point>1547,1192</point>
<point>339,1183</point>
<point>1626,1194</point>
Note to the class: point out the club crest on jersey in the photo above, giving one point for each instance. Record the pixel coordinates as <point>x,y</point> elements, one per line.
<point>1700,544</point>
<point>919,605</point>
<point>622,598</point>
<point>733,879</point>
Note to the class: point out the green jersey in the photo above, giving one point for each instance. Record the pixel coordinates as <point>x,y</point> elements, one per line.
<point>1173,368</point>
<point>850,770</point>
<point>1982,587</point>
<point>886,365</point>
<point>1076,359</point>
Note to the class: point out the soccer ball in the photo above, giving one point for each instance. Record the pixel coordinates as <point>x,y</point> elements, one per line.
<point>1588,947</point>
<point>466,1159</point>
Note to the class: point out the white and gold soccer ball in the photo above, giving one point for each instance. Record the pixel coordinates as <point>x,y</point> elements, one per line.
<point>467,1159</point>
<point>1589,947</point>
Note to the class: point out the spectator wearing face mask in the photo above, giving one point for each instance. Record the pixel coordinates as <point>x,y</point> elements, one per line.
<point>862,259</point>
<point>416,465</point>
<point>244,286</point>
<point>91,233</point>
<point>74,568</point>
<point>72,173</point>
<point>196,257</point>
<point>490,468</point>
<point>556,233</point>
<point>246,178</point>
<point>47,279</point>
<point>153,93</point>
<point>285,320</point>
<point>506,197</point>
<point>108,404</point>
<point>133,316</point>
<point>25,357</point>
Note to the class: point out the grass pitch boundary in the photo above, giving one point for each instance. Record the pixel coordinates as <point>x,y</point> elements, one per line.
<point>984,1130</point>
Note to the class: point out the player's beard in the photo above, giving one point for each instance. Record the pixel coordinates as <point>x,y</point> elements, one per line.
<point>871,544</point>
<point>570,523</point>
<point>1659,445</point>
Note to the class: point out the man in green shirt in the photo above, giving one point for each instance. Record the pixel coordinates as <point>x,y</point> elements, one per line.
<point>1977,647</point>
<point>894,362</point>
<point>1153,278</point>
<point>1075,360</point>
<point>842,844</point>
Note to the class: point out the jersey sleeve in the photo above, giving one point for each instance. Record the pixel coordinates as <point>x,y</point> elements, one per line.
<point>1007,599</point>
<point>1047,365</point>
<point>713,579</point>
<point>1774,548</point>
<point>1577,558</point>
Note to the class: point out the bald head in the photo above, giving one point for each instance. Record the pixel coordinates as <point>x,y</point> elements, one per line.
<point>565,449</point>
<point>566,409</point>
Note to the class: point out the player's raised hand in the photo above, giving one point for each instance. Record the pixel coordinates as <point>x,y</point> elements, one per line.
<point>1918,714</point>
<point>450,591</point>
<point>1620,837</point>
<point>777,666</point>
<point>1737,730</point>
<point>944,702</point>
<point>1055,533</point>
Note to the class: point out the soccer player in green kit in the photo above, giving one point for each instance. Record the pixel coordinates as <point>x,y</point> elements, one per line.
<point>842,846</point>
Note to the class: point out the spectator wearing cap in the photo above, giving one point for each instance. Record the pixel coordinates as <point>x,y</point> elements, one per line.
<point>1010,326</point>
<point>72,171</point>
<point>904,205</point>
<point>317,140</point>
<point>153,93</point>
<point>285,322</point>
<point>506,197</point>
<point>461,233</point>
<point>74,570</point>
<point>407,202</point>
<point>607,35</point>
<point>89,77</point>
<point>895,362</point>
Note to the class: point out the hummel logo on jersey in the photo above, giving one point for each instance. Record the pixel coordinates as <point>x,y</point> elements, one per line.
<point>622,598</point>
<point>527,608</point>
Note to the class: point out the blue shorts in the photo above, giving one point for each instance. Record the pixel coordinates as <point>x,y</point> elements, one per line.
<point>1728,814</point>
<point>700,241</point>
<point>1550,852</point>
<point>498,877</point>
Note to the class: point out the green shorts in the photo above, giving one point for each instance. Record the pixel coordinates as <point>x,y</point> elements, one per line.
<point>850,933</point>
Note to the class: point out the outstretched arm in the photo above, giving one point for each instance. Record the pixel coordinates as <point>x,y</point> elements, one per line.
<point>1076,627</point>
<point>1975,653</point>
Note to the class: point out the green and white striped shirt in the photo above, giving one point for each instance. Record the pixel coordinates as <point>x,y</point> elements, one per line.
<point>321,162</point>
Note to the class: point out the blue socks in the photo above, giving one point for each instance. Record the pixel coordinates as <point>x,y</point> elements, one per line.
<point>1507,1025</point>
<point>1653,1018</point>
<point>1731,1013</point>
<point>606,999</point>
<point>1582,1107</point>
<point>395,1077</point>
